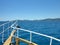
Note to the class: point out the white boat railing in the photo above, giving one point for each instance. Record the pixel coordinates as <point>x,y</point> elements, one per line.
<point>7,29</point>
<point>40,34</point>
<point>31,32</point>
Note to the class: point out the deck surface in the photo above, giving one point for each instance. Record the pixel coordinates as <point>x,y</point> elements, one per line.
<point>8,41</point>
<point>26,41</point>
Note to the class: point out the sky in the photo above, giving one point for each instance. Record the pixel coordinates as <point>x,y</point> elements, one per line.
<point>29,9</point>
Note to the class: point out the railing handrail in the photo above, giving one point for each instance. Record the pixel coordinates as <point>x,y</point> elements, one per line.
<point>38,33</point>
<point>5,23</point>
<point>7,28</point>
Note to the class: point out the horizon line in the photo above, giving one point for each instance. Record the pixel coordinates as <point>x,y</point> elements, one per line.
<point>30,19</point>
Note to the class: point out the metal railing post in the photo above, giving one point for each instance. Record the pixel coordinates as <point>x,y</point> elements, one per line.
<point>8,30</point>
<point>51,41</point>
<point>3,35</point>
<point>30,37</point>
<point>17,33</point>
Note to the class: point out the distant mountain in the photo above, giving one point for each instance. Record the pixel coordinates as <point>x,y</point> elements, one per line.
<point>50,19</point>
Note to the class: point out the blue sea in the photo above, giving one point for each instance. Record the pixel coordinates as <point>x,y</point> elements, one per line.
<point>48,27</point>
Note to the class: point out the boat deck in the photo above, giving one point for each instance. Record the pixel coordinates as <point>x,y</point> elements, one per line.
<point>18,40</point>
<point>16,29</point>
